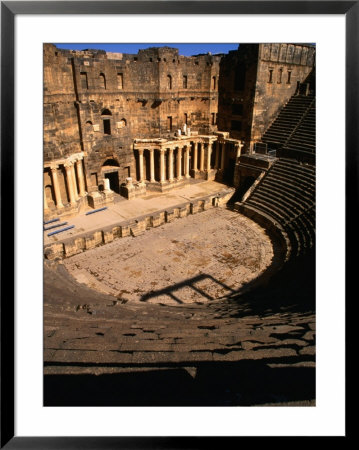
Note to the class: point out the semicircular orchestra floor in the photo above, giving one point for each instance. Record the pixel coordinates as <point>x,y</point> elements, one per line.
<point>197,259</point>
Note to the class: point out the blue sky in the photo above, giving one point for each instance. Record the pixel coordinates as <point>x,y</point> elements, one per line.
<point>184,49</point>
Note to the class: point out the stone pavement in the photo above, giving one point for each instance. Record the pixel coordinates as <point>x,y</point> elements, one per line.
<point>244,349</point>
<point>130,209</point>
<point>192,260</point>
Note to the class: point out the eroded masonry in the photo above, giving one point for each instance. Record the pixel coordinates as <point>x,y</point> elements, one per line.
<point>179,227</point>
<point>128,125</point>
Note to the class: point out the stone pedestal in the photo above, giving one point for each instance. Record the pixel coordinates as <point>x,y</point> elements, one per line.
<point>95,200</point>
<point>133,190</point>
<point>210,174</point>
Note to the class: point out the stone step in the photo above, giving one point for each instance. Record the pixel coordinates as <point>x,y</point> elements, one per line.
<point>139,358</point>
<point>280,218</point>
<point>296,190</point>
<point>287,201</point>
<point>292,163</point>
<point>280,207</point>
<point>296,199</point>
<point>294,173</point>
<point>303,184</point>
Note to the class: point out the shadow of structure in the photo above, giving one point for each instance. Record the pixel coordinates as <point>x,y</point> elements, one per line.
<point>247,383</point>
<point>276,372</point>
<point>189,283</point>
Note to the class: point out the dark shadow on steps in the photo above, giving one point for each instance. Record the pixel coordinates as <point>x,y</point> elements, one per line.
<point>189,283</point>
<point>292,289</point>
<point>246,383</point>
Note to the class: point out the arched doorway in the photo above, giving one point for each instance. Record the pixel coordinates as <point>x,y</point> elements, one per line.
<point>110,169</point>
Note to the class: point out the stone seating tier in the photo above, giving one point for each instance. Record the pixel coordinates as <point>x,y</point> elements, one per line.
<point>287,194</point>
<point>293,113</point>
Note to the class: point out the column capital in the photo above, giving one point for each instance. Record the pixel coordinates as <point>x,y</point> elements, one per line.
<point>68,164</point>
<point>54,167</point>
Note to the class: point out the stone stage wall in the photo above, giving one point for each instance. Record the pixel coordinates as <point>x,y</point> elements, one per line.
<point>135,227</point>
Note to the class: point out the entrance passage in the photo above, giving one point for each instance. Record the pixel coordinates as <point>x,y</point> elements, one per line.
<point>229,171</point>
<point>114,181</point>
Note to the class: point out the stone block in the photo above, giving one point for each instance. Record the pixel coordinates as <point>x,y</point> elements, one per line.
<point>170,216</point>
<point>81,244</point>
<point>116,231</point>
<point>125,230</point>
<point>183,212</point>
<point>54,251</point>
<point>137,229</point>
<point>142,224</point>
<point>95,200</point>
<point>71,248</point>
<point>194,207</point>
<point>95,240</point>
<point>108,236</point>
<point>156,220</point>
<point>207,204</point>
<point>148,222</point>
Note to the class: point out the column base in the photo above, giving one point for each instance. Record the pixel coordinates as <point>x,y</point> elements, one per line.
<point>211,174</point>
<point>199,175</point>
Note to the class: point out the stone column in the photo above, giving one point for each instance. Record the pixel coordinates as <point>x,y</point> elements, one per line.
<point>74,184</point>
<point>179,163</point>
<point>209,154</point>
<point>152,165</point>
<point>217,155</point>
<point>170,163</point>
<point>162,165</point>
<point>80,176</point>
<point>201,160</point>
<point>55,183</point>
<point>140,163</point>
<point>46,208</point>
<point>238,148</point>
<point>222,158</point>
<point>106,185</point>
<point>195,157</point>
<point>187,162</point>
<point>69,178</point>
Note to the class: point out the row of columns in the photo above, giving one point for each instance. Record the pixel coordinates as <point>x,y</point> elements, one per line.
<point>74,193</point>
<point>185,154</point>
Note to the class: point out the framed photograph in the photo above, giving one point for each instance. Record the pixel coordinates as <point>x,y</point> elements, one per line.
<point>172,266</point>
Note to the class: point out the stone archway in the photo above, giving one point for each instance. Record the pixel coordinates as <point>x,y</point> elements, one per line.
<point>110,170</point>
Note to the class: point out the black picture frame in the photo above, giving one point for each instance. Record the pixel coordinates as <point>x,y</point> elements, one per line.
<point>9,9</point>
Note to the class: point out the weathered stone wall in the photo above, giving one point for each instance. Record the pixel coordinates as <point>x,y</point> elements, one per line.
<point>238,74</point>
<point>255,82</point>
<point>61,126</point>
<point>289,64</point>
<point>135,227</point>
<point>100,102</point>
